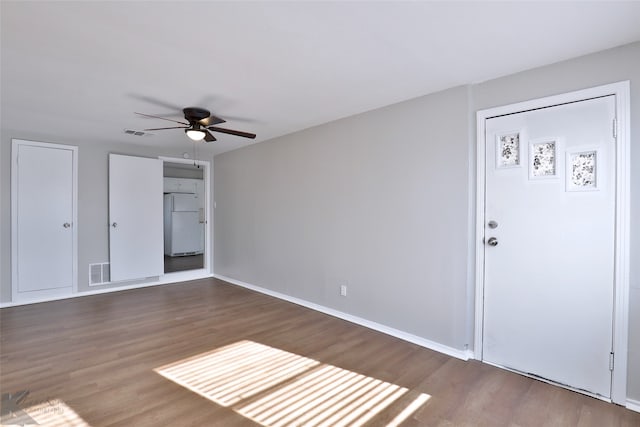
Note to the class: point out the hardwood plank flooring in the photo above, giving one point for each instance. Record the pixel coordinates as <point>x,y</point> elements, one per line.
<point>182,263</point>
<point>105,358</point>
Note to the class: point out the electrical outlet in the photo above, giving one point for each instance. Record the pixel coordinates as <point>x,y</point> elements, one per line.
<point>343,290</point>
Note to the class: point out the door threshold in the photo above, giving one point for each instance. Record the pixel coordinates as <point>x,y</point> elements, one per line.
<point>551,382</point>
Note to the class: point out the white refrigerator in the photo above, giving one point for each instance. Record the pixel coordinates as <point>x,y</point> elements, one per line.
<point>183,228</point>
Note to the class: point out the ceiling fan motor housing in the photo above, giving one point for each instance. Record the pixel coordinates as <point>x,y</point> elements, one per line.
<point>195,114</point>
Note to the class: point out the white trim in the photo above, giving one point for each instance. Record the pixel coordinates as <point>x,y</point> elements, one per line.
<point>15,143</point>
<point>623,234</point>
<point>162,281</point>
<point>633,405</point>
<point>481,161</point>
<point>43,294</point>
<point>432,345</point>
<point>176,277</point>
<point>208,194</point>
<point>184,276</point>
<point>621,90</point>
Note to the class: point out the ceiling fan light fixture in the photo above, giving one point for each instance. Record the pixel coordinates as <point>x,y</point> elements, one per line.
<point>195,134</point>
<point>198,125</point>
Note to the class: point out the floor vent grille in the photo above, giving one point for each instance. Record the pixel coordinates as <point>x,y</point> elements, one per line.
<point>99,273</point>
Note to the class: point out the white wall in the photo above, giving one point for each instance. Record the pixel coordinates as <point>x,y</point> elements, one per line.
<point>381,201</point>
<point>93,200</point>
<point>378,201</point>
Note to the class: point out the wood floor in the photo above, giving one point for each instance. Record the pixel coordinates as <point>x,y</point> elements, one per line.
<point>206,353</point>
<point>183,263</point>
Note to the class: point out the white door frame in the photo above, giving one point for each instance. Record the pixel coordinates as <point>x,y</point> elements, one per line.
<point>15,143</point>
<point>622,217</point>
<point>207,270</point>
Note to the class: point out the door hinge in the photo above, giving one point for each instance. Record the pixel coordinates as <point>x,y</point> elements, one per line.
<point>615,127</point>
<point>611,355</point>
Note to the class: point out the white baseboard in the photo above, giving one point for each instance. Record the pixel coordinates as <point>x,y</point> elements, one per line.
<point>432,345</point>
<point>161,281</point>
<point>633,405</point>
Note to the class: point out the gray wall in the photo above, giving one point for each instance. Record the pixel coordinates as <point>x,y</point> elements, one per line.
<point>93,201</point>
<point>383,201</point>
<point>378,201</point>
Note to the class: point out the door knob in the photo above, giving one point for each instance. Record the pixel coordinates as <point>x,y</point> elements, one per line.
<point>66,225</point>
<point>492,241</point>
<point>114,225</point>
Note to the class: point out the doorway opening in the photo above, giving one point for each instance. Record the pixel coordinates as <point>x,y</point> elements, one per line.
<point>185,210</point>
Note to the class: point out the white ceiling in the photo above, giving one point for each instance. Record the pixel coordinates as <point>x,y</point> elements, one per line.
<point>81,69</point>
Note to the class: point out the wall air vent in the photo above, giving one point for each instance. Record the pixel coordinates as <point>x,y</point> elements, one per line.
<point>99,273</point>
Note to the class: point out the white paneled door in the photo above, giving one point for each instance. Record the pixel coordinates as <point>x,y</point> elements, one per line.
<point>43,220</point>
<point>549,243</point>
<point>136,242</point>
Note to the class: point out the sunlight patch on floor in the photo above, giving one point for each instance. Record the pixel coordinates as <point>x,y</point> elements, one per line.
<point>276,388</point>
<point>409,410</point>
<point>236,372</point>
<point>53,413</point>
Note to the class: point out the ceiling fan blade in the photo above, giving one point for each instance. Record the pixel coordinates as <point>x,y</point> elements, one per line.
<point>174,127</point>
<point>232,132</point>
<point>211,120</point>
<point>239,119</point>
<point>208,137</point>
<point>156,101</point>
<point>162,118</point>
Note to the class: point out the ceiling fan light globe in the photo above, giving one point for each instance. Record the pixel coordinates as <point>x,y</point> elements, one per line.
<point>195,134</point>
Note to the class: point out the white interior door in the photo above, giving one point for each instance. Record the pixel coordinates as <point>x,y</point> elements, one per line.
<point>135,215</point>
<point>550,211</point>
<point>43,203</point>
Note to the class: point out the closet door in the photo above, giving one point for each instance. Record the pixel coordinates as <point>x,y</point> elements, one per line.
<point>136,246</point>
<point>43,220</point>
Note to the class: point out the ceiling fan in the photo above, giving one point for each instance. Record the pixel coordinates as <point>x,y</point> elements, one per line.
<point>200,123</point>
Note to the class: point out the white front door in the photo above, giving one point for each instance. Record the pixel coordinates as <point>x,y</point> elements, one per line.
<point>549,243</point>
<point>43,217</point>
<point>136,243</point>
